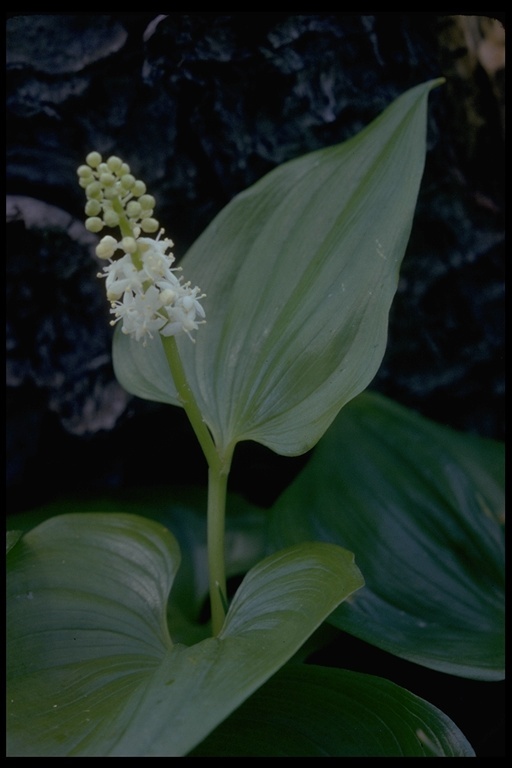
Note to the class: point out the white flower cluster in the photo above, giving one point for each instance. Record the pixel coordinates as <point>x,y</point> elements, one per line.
<point>142,287</point>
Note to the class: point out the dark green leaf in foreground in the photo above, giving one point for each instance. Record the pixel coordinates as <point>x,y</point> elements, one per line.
<point>422,508</point>
<point>182,511</point>
<point>309,711</point>
<point>92,670</point>
<point>299,273</point>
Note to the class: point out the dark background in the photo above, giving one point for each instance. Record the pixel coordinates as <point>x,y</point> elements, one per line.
<point>201,105</point>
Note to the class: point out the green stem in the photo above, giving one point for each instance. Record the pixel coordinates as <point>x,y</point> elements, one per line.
<point>217,486</point>
<point>124,224</point>
<point>218,466</point>
<point>188,401</point>
<point>126,229</point>
<point>218,471</point>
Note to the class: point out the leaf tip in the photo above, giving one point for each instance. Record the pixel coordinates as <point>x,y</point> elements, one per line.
<point>437,82</point>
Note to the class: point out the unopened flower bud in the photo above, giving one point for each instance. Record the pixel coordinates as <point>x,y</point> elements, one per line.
<point>147,202</point>
<point>111,218</point>
<point>94,224</point>
<point>93,159</point>
<point>167,296</point>
<point>93,190</point>
<point>92,207</point>
<point>139,188</point>
<point>149,225</point>
<point>107,179</point>
<point>128,244</point>
<point>133,209</point>
<point>127,181</point>
<point>114,164</point>
<point>85,172</point>
<point>106,247</point>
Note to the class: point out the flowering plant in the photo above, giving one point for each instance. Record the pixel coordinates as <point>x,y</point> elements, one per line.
<point>299,273</point>
<point>153,298</point>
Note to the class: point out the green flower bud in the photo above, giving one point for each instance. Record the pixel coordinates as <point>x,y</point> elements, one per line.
<point>147,202</point>
<point>149,225</point>
<point>127,181</point>
<point>106,247</point>
<point>94,224</point>
<point>114,164</point>
<point>111,218</point>
<point>93,190</point>
<point>92,208</point>
<point>139,188</point>
<point>85,172</point>
<point>128,244</point>
<point>93,159</point>
<point>107,179</point>
<point>133,209</point>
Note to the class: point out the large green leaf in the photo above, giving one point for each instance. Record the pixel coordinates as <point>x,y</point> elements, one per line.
<point>92,669</point>
<point>300,271</point>
<point>182,510</point>
<point>422,507</point>
<point>308,711</point>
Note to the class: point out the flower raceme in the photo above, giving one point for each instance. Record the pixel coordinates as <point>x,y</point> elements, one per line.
<point>145,293</point>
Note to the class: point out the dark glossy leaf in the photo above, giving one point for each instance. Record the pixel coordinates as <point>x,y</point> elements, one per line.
<point>422,507</point>
<point>308,711</point>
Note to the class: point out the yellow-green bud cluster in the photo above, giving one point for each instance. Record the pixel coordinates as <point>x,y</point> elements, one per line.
<point>113,193</point>
<point>146,296</point>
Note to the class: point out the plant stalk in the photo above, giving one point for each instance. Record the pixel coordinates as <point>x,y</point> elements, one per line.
<point>218,471</point>
<point>189,403</point>
<point>217,486</point>
<point>218,466</point>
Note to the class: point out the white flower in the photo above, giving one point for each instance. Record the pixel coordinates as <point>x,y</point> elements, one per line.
<point>157,264</point>
<point>144,307</point>
<point>122,275</point>
<point>139,313</point>
<point>182,315</point>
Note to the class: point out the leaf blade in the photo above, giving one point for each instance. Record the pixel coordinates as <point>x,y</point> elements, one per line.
<point>421,506</point>
<point>92,670</point>
<point>308,711</point>
<point>300,271</point>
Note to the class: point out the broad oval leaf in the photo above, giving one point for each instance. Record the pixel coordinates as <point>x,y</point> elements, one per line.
<point>181,510</point>
<point>92,670</point>
<point>300,271</point>
<point>422,507</point>
<point>310,711</point>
